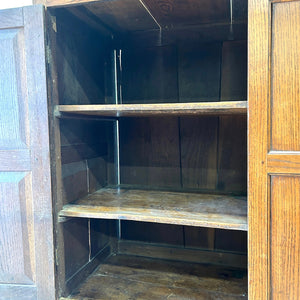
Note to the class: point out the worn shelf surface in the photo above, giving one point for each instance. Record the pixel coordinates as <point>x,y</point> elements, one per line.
<point>131,277</point>
<point>195,209</point>
<point>135,110</point>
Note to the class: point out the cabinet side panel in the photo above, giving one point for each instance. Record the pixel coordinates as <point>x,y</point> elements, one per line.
<point>285,232</point>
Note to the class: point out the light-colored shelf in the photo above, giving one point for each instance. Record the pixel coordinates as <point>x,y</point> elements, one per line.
<point>135,110</point>
<point>193,209</point>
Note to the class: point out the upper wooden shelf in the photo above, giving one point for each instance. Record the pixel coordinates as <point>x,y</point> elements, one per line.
<point>193,209</point>
<point>135,110</point>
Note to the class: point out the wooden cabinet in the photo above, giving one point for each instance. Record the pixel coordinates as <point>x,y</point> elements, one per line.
<point>123,150</point>
<point>273,150</point>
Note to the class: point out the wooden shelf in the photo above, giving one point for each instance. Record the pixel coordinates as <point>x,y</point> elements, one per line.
<point>135,110</point>
<point>134,277</point>
<point>194,209</point>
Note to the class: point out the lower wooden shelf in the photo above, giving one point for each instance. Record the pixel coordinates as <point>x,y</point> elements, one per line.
<point>194,209</point>
<point>131,277</point>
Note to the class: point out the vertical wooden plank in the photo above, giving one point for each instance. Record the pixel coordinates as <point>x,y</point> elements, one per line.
<point>234,71</point>
<point>232,154</point>
<point>198,137</point>
<point>199,72</point>
<point>258,97</point>
<point>39,143</point>
<point>285,233</point>
<point>198,237</point>
<point>149,152</point>
<point>81,69</point>
<point>76,245</point>
<point>285,76</point>
<point>149,75</point>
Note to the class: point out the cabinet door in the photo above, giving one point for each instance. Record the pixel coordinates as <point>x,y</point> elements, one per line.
<point>274,149</point>
<point>26,232</point>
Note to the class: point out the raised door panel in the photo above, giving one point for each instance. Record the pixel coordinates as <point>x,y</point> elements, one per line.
<point>285,233</point>
<point>26,231</point>
<point>285,77</point>
<point>17,257</point>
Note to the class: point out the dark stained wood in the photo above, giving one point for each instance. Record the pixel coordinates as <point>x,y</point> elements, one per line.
<point>198,237</point>
<point>231,241</point>
<point>129,277</point>
<point>285,96</point>
<point>217,211</point>
<point>232,154</point>
<point>55,150</point>
<point>199,72</point>
<point>170,13</point>
<point>74,181</point>
<point>123,16</point>
<point>181,254</point>
<point>152,232</point>
<point>199,144</point>
<point>149,75</point>
<point>99,235</point>
<point>76,246</point>
<point>91,20</point>
<point>149,152</point>
<point>240,10</point>
<point>189,35</point>
<point>81,54</point>
<point>285,232</point>
<point>97,173</point>
<point>234,71</point>
<point>120,110</point>
<point>86,270</point>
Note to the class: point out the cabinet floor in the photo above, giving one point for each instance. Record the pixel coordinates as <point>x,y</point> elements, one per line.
<point>131,277</point>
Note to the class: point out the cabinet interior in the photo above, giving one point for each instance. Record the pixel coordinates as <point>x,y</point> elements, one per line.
<point>144,189</point>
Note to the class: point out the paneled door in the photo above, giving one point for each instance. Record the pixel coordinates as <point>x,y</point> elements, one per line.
<point>274,149</point>
<point>26,231</point>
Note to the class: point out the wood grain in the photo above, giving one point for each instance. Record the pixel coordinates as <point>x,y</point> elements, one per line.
<point>285,232</point>
<point>201,62</point>
<point>285,76</point>
<point>123,16</point>
<point>183,254</point>
<point>258,93</point>
<point>41,198</point>
<point>149,152</point>
<point>217,211</point>
<point>120,110</point>
<point>11,18</point>
<point>129,277</point>
<point>232,154</point>
<point>149,75</point>
<point>199,146</point>
<point>16,159</point>
<point>169,13</point>
<point>283,162</point>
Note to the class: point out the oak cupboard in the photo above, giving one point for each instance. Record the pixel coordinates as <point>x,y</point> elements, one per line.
<point>125,132</point>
